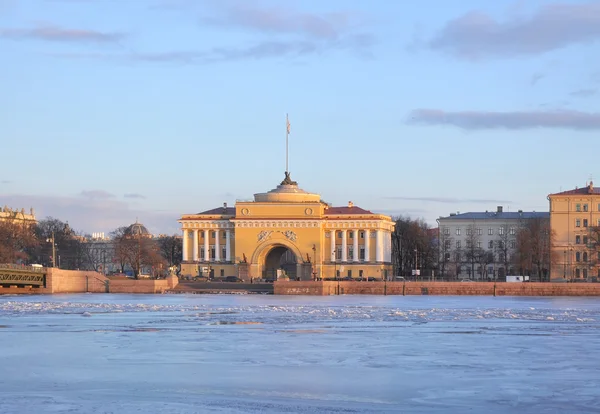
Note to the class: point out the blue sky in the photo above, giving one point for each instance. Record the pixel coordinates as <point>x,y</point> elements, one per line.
<point>113,110</point>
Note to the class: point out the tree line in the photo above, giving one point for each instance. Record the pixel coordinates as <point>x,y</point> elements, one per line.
<point>53,243</point>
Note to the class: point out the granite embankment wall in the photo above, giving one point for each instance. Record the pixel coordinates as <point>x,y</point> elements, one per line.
<point>80,281</point>
<point>437,288</point>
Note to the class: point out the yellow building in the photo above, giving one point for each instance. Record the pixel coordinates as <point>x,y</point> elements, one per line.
<point>573,216</point>
<point>18,216</point>
<point>287,231</point>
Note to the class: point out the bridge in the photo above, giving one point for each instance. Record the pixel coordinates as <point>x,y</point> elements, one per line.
<point>22,275</point>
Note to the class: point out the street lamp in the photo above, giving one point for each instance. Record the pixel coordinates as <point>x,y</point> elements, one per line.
<point>51,240</point>
<point>565,265</point>
<point>416,262</point>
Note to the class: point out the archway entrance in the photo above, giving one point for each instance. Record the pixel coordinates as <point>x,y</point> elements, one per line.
<point>280,258</point>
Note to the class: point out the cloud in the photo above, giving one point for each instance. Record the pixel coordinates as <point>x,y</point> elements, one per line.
<point>450,200</point>
<point>59,34</point>
<point>584,93</point>
<point>359,44</point>
<point>477,35</point>
<point>535,78</point>
<point>91,215</point>
<point>477,120</point>
<point>134,195</point>
<point>279,20</point>
<point>96,194</point>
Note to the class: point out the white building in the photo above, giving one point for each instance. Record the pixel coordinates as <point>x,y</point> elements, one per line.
<point>481,245</point>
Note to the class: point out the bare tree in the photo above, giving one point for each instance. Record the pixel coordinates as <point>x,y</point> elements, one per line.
<point>17,240</point>
<point>171,248</point>
<point>534,248</point>
<point>68,249</point>
<point>594,248</point>
<point>503,250</point>
<point>473,250</point>
<point>413,247</point>
<point>137,251</point>
<point>445,248</point>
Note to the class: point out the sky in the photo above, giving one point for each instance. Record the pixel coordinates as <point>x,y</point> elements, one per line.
<point>113,111</point>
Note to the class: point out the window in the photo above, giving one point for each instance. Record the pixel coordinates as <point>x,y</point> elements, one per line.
<point>458,244</point>
<point>479,270</point>
<point>351,235</point>
<point>585,207</point>
<point>338,254</point>
<point>598,206</point>
<point>500,244</point>
<point>212,252</point>
<point>224,235</point>
<point>501,231</point>
<point>513,231</point>
<point>446,244</point>
<point>490,270</point>
<point>212,234</point>
<point>447,230</point>
<point>458,270</point>
<point>457,258</point>
<point>479,244</point>
<point>479,231</point>
<point>222,272</point>
<point>490,232</point>
<point>501,257</point>
<point>447,257</point>
<point>598,222</point>
<point>585,240</point>
<point>458,231</point>
<point>585,256</point>
<point>469,244</point>
<point>350,252</point>
<point>349,273</point>
<point>469,230</point>
<point>577,223</point>
<point>578,239</point>
<point>577,207</point>
<point>513,244</point>
<point>491,244</point>
<point>223,253</point>
<point>577,273</point>
<point>202,253</point>
<point>360,273</point>
<point>578,256</point>
<point>362,254</point>
<point>585,222</point>
<point>585,273</point>
<point>339,234</point>
<point>362,234</point>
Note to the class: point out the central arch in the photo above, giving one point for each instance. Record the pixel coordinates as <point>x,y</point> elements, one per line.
<point>279,258</point>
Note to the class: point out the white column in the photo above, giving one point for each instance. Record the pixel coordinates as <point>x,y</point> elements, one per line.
<point>379,246</point>
<point>388,247</point>
<point>228,245</point>
<point>217,246</point>
<point>185,245</point>
<point>206,246</point>
<point>367,252</point>
<point>333,247</point>
<point>195,246</point>
<point>344,246</point>
<point>355,254</point>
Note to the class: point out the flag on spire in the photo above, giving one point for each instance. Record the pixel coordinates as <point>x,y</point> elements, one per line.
<point>288,124</point>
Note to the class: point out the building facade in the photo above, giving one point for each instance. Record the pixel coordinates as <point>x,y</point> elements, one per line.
<point>574,220</point>
<point>287,231</point>
<point>19,216</point>
<point>481,245</point>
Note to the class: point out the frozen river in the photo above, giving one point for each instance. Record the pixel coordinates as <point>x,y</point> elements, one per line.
<point>274,354</point>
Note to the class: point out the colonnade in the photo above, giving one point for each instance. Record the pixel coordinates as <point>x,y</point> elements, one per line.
<point>383,245</point>
<point>196,246</point>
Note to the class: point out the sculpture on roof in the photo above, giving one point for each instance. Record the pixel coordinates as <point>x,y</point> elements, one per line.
<point>288,180</point>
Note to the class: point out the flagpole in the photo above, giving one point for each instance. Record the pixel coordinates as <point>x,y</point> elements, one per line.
<point>287,133</point>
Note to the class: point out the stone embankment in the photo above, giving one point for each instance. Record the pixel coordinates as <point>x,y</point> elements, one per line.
<point>81,281</point>
<point>436,288</point>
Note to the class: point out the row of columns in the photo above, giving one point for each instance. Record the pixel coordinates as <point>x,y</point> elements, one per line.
<point>195,246</point>
<point>381,246</point>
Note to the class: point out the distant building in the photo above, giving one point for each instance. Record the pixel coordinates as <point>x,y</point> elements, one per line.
<point>7,213</point>
<point>480,245</point>
<point>574,218</point>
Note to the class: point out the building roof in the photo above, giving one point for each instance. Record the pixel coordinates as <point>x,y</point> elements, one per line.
<point>137,229</point>
<point>346,210</point>
<point>225,211</point>
<point>588,189</point>
<point>509,215</point>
